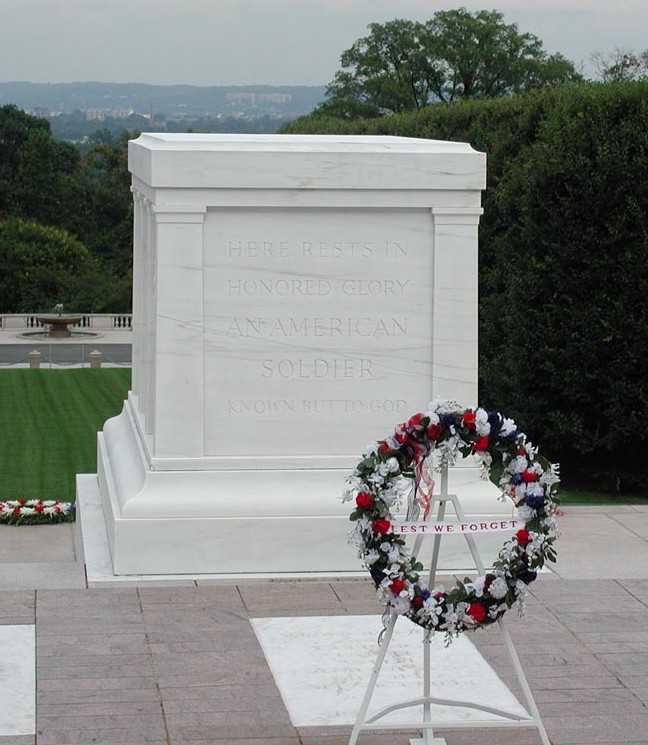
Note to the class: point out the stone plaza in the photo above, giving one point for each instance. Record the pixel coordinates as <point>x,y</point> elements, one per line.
<point>179,662</point>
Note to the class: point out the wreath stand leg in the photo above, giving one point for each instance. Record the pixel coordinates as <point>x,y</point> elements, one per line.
<point>426,700</point>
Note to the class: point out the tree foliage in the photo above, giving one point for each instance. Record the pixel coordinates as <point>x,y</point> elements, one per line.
<point>403,65</point>
<point>621,64</point>
<point>40,177</point>
<point>44,266</point>
<point>46,181</point>
<point>563,265</point>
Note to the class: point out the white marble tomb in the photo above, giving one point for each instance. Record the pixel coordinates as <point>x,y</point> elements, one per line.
<point>295,297</point>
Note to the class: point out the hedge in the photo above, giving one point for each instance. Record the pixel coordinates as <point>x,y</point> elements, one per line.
<point>563,266</point>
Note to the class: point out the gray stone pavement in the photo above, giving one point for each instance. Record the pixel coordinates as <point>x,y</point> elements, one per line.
<point>180,664</point>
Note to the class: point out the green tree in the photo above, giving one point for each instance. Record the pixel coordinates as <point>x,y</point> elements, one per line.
<point>110,214</point>
<point>621,64</point>
<point>405,65</point>
<point>43,266</point>
<point>16,128</point>
<point>40,177</point>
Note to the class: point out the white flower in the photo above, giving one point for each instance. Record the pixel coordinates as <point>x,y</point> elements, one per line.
<point>531,451</point>
<point>400,604</point>
<point>371,557</point>
<point>482,425</point>
<point>364,523</point>
<point>437,405</point>
<point>551,476</point>
<point>376,478</point>
<point>476,586</point>
<point>394,554</point>
<point>534,489</point>
<point>517,464</point>
<point>498,588</point>
<point>525,513</point>
<point>508,426</point>
<point>371,448</point>
<point>520,491</point>
<point>392,464</point>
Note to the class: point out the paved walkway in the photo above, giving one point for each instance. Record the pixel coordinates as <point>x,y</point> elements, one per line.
<point>114,344</point>
<point>179,664</point>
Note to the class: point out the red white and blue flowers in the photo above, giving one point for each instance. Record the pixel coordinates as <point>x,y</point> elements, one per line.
<point>34,511</point>
<point>393,470</point>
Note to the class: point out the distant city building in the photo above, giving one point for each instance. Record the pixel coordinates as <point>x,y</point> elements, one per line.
<point>101,114</point>
<point>256,99</point>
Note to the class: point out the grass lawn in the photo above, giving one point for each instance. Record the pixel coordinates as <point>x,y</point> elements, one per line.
<point>574,496</point>
<point>49,421</point>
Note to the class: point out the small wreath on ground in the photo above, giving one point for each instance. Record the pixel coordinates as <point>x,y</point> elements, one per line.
<point>35,511</point>
<point>394,470</point>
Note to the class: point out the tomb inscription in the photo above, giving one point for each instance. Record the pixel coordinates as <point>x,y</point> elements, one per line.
<point>311,319</point>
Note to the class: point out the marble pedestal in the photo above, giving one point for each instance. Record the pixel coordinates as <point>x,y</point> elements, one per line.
<point>294,298</point>
<point>248,522</point>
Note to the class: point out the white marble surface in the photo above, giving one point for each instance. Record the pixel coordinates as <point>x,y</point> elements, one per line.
<point>304,162</point>
<point>322,666</point>
<point>17,680</point>
<point>318,328</point>
<point>182,546</point>
<point>269,334</point>
<point>295,298</point>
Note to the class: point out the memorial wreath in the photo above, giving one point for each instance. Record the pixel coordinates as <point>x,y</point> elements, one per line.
<point>34,511</point>
<point>396,470</point>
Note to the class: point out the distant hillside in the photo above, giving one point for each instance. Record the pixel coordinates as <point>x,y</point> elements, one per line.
<point>165,99</point>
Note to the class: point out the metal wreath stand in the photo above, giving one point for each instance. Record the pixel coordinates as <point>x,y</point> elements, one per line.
<point>426,700</point>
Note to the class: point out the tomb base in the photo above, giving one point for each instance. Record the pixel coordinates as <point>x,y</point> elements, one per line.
<point>264,521</point>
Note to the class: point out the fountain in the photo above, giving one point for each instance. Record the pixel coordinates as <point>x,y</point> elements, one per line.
<point>59,322</point>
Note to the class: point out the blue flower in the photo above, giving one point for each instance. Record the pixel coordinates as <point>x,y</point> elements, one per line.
<point>495,422</point>
<point>516,478</point>
<point>534,500</point>
<point>448,420</point>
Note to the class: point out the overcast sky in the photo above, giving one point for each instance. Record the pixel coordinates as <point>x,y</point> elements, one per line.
<point>277,42</point>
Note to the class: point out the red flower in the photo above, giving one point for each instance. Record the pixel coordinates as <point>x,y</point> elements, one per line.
<point>434,431</point>
<point>15,511</point>
<point>477,612</point>
<point>383,447</point>
<point>523,537</point>
<point>415,420</point>
<point>481,443</point>
<point>380,526</point>
<point>521,451</point>
<point>364,500</point>
<point>469,419</point>
<point>39,507</point>
<point>21,501</point>
<point>417,601</point>
<point>397,586</point>
<point>529,476</point>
